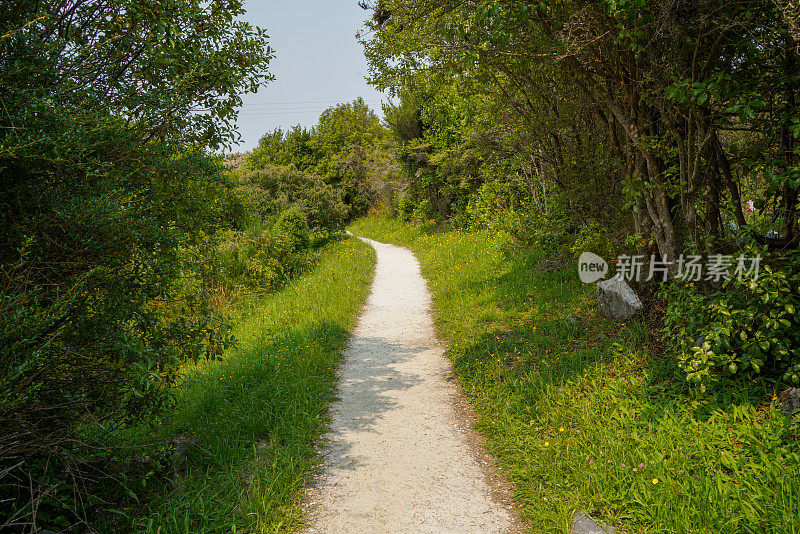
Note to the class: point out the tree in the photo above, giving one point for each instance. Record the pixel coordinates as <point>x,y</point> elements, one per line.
<point>294,147</point>
<point>346,148</point>
<point>109,197</point>
<point>693,99</point>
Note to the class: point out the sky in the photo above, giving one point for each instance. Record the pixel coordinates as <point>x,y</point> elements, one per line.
<point>318,63</point>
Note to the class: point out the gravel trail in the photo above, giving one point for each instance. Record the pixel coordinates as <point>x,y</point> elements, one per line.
<point>401,455</point>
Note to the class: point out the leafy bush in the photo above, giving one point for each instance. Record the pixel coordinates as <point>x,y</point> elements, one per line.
<point>548,233</point>
<point>109,193</point>
<point>293,225</point>
<point>593,238</point>
<point>289,212</point>
<point>493,207</point>
<point>404,205</point>
<point>749,329</point>
<point>264,257</point>
<point>268,191</point>
<point>347,152</point>
<point>423,211</point>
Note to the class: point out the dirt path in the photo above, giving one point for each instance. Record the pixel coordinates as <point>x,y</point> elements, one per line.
<point>401,455</point>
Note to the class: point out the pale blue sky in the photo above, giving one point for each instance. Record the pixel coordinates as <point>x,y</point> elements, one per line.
<point>318,63</point>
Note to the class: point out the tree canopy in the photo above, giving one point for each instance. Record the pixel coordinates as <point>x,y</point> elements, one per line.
<point>695,101</point>
<point>109,195</point>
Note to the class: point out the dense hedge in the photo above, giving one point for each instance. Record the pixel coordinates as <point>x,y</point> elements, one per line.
<point>109,200</point>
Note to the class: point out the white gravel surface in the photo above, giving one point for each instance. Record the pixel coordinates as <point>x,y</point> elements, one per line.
<point>401,455</point>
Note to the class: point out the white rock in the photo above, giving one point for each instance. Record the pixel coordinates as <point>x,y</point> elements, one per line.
<point>617,300</point>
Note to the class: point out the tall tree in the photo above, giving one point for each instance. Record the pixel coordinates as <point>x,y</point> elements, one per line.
<point>678,87</point>
<point>108,191</point>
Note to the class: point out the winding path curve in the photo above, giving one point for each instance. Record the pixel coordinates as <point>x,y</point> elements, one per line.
<point>401,454</point>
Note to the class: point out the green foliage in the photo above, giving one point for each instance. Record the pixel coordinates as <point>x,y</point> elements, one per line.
<point>593,238</point>
<point>403,205</point>
<point>110,200</point>
<point>347,149</point>
<point>294,147</point>
<point>270,190</point>
<point>423,211</point>
<point>404,118</point>
<point>439,158</point>
<point>293,224</point>
<point>750,330</point>
<point>602,107</point>
<point>263,258</point>
<point>282,214</point>
<point>493,207</point>
<point>256,416</point>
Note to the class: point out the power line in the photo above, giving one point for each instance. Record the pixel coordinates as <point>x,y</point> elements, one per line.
<point>288,103</point>
<point>270,107</point>
<point>276,113</point>
<point>257,110</point>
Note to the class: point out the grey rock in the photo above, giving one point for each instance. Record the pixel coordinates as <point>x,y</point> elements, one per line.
<point>582,523</point>
<point>617,300</point>
<point>181,444</point>
<point>790,401</point>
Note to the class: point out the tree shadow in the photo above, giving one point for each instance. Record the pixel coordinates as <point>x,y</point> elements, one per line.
<point>549,335</point>
<point>544,335</point>
<point>368,375</point>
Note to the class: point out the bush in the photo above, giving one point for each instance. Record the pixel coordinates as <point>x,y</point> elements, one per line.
<point>424,211</point>
<point>548,233</point>
<point>750,329</point>
<point>268,191</point>
<point>404,205</point>
<point>593,238</point>
<point>109,191</point>
<point>293,224</point>
<point>265,257</point>
<point>492,208</point>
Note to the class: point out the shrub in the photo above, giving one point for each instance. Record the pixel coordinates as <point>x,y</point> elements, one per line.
<point>268,191</point>
<point>293,224</point>
<point>108,191</point>
<point>593,238</point>
<point>747,330</point>
<point>548,233</point>
<point>492,208</point>
<point>265,257</point>
<point>424,211</point>
<point>404,205</point>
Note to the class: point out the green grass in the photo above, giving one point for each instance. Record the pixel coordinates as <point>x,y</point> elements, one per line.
<point>591,416</point>
<point>257,414</point>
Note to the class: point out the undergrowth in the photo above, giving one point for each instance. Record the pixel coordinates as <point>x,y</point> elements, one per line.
<point>250,422</point>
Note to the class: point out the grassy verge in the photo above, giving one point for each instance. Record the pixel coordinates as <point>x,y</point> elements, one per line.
<point>586,415</point>
<point>256,415</point>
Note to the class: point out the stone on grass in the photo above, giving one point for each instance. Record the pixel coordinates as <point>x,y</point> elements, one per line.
<point>582,523</point>
<point>617,300</point>
<point>790,401</point>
